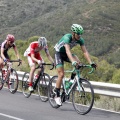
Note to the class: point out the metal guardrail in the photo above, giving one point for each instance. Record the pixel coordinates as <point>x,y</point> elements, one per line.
<point>101,88</point>
<point>107,89</point>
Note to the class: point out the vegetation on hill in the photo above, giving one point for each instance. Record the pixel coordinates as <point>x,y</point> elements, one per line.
<point>53,18</point>
<point>28,19</point>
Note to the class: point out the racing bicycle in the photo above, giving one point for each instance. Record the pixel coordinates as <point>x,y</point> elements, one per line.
<point>41,83</point>
<point>80,91</point>
<point>9,76</point>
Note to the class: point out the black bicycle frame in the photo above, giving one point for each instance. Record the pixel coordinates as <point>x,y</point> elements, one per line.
<point>39,77</point>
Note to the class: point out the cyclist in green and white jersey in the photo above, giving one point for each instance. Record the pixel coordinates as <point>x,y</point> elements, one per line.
<point>63,53</point>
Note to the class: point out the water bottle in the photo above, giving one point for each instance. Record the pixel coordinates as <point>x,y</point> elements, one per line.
<point>35,77</point>
<point>4,73</point>
<point>68,84</point>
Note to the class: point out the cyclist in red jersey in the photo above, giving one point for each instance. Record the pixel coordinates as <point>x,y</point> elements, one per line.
<point>34,57</point>
<point>5,46</point>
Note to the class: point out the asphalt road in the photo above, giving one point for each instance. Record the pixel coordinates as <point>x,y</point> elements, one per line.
<point>17,107</point>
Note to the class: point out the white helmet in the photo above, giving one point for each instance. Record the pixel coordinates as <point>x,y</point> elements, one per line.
<point>42,41</point>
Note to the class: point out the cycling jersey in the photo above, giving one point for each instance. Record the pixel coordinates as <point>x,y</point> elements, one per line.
<point>60,55</point>
<point>34,49</point>
<point>3,45</point>
<point>67,39</point>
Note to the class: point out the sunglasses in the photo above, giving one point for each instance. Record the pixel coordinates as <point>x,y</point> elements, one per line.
<point>78,33</point>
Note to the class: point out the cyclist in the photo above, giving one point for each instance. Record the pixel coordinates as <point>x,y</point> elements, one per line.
<point>34,57</point>
<point>63,53</point>
<point>5,46</point>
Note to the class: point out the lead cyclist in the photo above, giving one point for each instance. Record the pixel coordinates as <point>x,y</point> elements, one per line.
<point>63,53</point>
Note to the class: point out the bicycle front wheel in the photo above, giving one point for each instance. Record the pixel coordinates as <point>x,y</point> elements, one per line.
<point>25,85</point>
<point>1,79</point>
<point>83,99</point>
<point>13,81</point>
<point>43,87</point>
<point>51,94</point>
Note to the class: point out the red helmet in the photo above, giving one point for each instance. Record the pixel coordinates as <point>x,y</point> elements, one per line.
<point>10,38</point>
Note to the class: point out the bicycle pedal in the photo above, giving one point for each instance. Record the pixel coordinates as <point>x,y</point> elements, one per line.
<point>63,98</point>
<point>67,97</point>
<point>11,70</point>
<point>10,83</point>
<point>6,82</point>
<point>59,105</point>
<point>32,91</point>
<point>53,95</point>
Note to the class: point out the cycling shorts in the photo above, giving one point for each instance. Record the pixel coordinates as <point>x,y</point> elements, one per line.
<point>32,62</point>
<point>60,57</point>
<point>6,55</point>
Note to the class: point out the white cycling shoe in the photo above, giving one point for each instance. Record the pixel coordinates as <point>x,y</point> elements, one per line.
<point>30,89</point>
<point>58,101</point>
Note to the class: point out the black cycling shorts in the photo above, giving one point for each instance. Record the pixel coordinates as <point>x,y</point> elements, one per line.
<point>60,57</point>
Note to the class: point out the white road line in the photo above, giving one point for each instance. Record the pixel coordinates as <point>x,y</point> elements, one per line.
<point>9,116</point>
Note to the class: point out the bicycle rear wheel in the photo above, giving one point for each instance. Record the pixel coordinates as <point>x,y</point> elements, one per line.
<point>51,94</point>
<point>1,79</point>
<point>25,85</point>
<point>13,81</point>
<point>43,87</point>
<point>83,100</point>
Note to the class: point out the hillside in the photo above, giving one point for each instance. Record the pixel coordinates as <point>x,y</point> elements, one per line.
<point>53,18</point>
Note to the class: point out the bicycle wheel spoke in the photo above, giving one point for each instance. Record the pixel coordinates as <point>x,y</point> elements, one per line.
<point>43,87</point>
<point>25,85</point>
<point>1,80</point>
<point>83,99</point>
<point>13,81</point>
<point>51,94</point>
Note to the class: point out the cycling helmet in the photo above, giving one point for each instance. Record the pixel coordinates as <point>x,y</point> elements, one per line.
<point>10,38</point>
<point>42,41</point>
<point>78,29</point>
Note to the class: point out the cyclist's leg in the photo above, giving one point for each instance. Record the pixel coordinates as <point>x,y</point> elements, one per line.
<point>7,57</point>
<point>32,70</point>
<point>1,63</point>
<point>2,73</point>
<point>38,56</point>
<point>60,72</point>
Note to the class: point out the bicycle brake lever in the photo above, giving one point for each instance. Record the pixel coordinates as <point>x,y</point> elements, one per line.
<point>92,69</point>
<point>19,63</point>
<point>52,66</point>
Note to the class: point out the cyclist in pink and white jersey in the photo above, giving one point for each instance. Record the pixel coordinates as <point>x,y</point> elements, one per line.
<point>34,57</point>
<point>5,46</point>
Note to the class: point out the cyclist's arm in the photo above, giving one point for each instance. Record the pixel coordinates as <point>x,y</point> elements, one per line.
<point>86,54</point>
<point>48,54</point>
<point>16,52</point>
<point>33,58</point>
<point>2,53</point>
<point>68,52</point>
<point>50,58</point>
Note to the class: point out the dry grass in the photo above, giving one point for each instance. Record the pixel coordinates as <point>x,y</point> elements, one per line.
<point>108,103</point>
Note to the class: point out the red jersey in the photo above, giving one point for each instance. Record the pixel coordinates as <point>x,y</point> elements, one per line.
<point>35,49</point>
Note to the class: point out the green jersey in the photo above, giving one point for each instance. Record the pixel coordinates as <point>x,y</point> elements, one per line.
<point>67,39</point>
